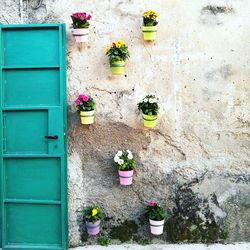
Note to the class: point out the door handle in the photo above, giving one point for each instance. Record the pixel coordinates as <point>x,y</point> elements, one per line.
<point>51,137</point>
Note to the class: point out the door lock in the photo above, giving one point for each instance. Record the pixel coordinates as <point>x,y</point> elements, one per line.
<point>51,137</point>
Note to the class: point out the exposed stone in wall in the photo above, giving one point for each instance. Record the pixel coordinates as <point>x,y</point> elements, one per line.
<point>199,68</point>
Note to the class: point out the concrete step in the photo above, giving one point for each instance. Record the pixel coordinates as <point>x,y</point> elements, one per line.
<point>236,246</point>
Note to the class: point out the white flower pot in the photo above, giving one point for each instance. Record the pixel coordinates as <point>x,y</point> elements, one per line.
<point>81,35</point>
<point>156,227</point>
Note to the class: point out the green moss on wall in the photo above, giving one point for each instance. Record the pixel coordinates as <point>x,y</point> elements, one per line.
<point>125,231</point>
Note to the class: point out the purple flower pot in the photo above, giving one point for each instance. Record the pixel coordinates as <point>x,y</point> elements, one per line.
<point>93,228</point>
<point>126,177</point>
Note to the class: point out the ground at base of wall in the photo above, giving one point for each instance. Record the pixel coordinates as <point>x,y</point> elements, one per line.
<point>237,246</point>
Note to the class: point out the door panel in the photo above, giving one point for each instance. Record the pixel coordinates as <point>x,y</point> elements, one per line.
<point>25,224</point>
<point>33,178</point>
<point>24,132</point>
<point>31,46</point>
<point>32,131</point>
<point>31,87</point>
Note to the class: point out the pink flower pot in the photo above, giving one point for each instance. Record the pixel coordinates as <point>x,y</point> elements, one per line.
<point>126,177</point>
<point>156,227</point>
<point>93,228</point>
<point>81,35</point>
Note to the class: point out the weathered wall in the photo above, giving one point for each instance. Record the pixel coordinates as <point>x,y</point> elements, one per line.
<point>198,67</point>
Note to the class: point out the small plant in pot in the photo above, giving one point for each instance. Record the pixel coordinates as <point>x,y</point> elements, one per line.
<point>86,107</point>
<point>156,216</point>
<point>149,28</point>
<point>92,216</point>
<point>81,26</point>
<point>118,53</point>
<point>150,110</point>
<point>125,163</point>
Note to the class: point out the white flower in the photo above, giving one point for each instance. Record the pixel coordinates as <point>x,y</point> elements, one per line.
<point>145,100</point>
<point>129,152</point>
<point>120,161</point>
<point>130,156</point>
<point>116,158</point>
<point>155,100</point>
<point>151,100</point>
<point>119,153</point>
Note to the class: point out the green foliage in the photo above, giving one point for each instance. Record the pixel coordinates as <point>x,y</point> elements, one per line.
<point>85,103</point>
<point>149,105</point>
<point>155,212</point>
<point>104,240</point>
<point>92,214</point>
<point>125,160</point>
<point>144,242</point>
<point>118,51</point>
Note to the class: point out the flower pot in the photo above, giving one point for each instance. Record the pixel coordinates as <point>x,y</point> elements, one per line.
<point>81,35</point>
<point>149,32</point>
<point>126,177</point>
<point>117,68</point>
<point>87,117</point>
<point>93,228</point>
<point>149,120</point>
<point>156,227</point>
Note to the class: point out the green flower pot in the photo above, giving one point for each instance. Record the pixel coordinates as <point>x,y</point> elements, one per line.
<point>149,32</point>
<point>149,120</point>
<point>87,117</point>
<point>117,68</point>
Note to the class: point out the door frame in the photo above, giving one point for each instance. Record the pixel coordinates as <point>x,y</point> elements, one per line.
<point>63,103</point>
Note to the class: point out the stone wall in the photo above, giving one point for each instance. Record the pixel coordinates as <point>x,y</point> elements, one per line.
<point>196,162</point>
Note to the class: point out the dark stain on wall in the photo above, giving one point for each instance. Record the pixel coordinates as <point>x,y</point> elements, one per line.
<point>222,73</point>
<point>192,220</point>
<point>214,10</point>
<point>125,231</point>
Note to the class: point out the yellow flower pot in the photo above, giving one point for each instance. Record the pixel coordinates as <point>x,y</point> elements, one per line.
<point>87,117</point>
<point>117,68</point>
<point>149,120</point>
<point>149,32</point>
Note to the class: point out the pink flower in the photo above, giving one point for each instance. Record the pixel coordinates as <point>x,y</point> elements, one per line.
<point>151,203</point>
<point>83,16</point>
<point>75,15</point>
<point>77,102</point>
<point>85,98</point>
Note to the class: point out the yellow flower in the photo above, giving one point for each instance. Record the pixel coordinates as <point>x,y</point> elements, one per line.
<point>94,211</point>
<point>150,14</point>
<point>118,45</point>
<point>121,42</point>
<point>107,49</point>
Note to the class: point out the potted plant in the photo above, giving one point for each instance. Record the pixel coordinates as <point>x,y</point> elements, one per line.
<point>92,216</point>
<point>156,216</point>
<point>150,110</point>
<point>80,26</point>
<point>86,107</point>
<point>118,53</point>
<point>125,163</point>
<point>149,28</point>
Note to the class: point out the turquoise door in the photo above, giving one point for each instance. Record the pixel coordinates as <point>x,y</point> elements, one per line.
<point>33,137</point>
